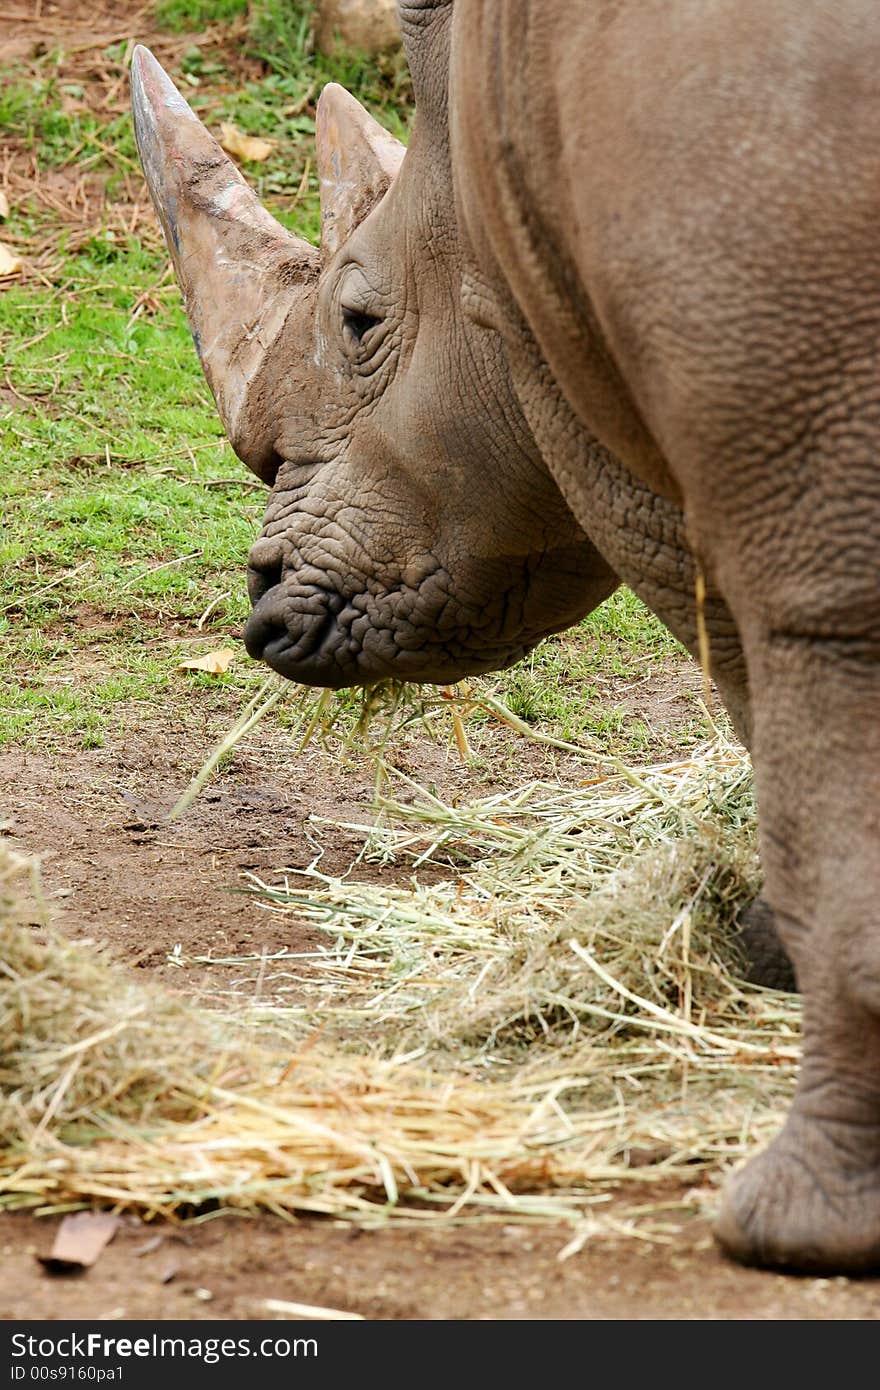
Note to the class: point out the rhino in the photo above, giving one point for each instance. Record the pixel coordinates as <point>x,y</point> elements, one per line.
<point>613,315</point>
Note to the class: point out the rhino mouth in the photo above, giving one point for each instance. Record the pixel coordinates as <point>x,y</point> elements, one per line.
<point>283,652</point>
<point>325,639</point>
<point>297,644</point>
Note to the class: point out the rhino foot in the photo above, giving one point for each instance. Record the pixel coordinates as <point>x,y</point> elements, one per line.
<point>803,1207</point>
<point>767,962</point>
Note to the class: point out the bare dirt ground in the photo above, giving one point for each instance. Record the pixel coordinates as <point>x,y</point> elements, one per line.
<point>113,871</point>
<point>228,1269</point>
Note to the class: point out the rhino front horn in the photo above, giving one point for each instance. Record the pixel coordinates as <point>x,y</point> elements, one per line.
<point>240,271</point>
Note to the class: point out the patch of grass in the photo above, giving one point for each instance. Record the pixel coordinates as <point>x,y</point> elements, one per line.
<point>123,507</point>
<point>565,684</point>
<point>183,15</point>
<point>625,621</point>
<point>86,690</point>
<point>114,452</point>
<point>281,35</point>
<point>45,113</point>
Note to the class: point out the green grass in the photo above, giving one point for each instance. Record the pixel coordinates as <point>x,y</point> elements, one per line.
<point>124,515</point>
<point>113,462</point>
<point>183,15</point>
<point>124,512</point>
<point>34,108</point>
<point>565,685</point>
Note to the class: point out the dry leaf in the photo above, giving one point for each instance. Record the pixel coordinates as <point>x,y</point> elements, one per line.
<point>10,264</point>
<point>250,148</point>
<point>215,663</point>
<point>4,206</point>
<point>79,1241</point>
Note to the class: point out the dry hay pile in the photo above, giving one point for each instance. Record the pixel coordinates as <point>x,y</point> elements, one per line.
<point>553,1019</point>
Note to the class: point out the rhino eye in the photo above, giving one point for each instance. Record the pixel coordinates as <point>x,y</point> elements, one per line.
<point>356,324</point>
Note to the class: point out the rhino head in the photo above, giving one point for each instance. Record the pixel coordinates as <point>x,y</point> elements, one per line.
<point>412,528</point>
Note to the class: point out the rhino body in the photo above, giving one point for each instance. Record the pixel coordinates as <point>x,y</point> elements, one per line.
<point>614,315</point>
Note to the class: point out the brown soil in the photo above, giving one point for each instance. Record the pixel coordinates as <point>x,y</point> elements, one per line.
<point>113,871</point>
<point>228,1269</point>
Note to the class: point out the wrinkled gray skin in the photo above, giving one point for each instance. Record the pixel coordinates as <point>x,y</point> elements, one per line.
<point>631,323</point>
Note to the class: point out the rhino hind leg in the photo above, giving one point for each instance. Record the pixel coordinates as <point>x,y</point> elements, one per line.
<point>766,961</point>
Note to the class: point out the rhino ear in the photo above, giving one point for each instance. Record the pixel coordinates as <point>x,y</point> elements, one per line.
<point>357,161</point>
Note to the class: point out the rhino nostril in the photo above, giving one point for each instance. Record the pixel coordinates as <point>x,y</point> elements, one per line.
<point>265,567</point>
<point>260,630</point>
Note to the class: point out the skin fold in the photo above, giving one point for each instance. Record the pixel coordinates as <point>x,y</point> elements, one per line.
<point>613,316</point>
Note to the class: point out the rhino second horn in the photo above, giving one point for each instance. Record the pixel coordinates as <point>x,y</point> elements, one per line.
<point>357,161</point>
<point>240,271</point>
